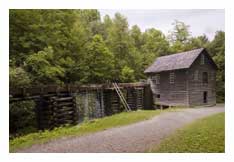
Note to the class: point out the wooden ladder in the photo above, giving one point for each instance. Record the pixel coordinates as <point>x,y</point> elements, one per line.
<point>121,96</point>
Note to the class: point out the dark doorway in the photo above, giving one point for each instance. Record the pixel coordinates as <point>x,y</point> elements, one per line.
<point>157,95</point>
<point>205,97</point>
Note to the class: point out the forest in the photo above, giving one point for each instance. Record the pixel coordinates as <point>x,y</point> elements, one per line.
<point>78,47</point>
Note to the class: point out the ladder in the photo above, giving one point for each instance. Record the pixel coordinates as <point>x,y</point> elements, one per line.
<point>121,96</point>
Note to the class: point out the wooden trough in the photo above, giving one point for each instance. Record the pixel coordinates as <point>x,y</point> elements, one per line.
<point>71,104</point>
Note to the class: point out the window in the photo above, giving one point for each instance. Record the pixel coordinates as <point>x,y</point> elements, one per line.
<point>212,76</point>
<point>172,77</point>
<point>202,59</point>
<point>157,79</point>
<point>204,77</point>
<point>196,73</point>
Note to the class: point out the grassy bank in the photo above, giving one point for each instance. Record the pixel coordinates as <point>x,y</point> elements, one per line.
<point>204,135</point>
<point>96,125</point>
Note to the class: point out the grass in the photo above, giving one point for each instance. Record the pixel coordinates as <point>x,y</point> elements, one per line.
<point>205,135</point>
<point>92,126</point>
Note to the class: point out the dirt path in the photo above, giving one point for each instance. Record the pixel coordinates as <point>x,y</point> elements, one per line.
<point>136,137</point>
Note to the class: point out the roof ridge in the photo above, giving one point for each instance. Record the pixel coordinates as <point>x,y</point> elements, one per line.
<point>181,52</point>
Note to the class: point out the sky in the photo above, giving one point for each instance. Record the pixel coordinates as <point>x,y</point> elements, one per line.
<point>201,21</point>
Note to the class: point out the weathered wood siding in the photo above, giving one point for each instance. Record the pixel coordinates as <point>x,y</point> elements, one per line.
<point>171,93</point>
<point>186,90</point>
<point>196,88</point>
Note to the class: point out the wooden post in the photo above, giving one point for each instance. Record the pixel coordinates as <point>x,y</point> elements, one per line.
<point>39,106</point>
<point>148,98</point>
<point>54,106</point>
<point>86,105</point>
<point>75,110</point>
<point>102,104</point>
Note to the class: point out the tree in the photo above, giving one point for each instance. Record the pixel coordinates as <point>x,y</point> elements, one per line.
<point>66,31</point>
<point>118,41</point>
<point>86,25</point>
<point>127,74</point>
<point>179,37</point>
<point>43,67</point>
<point>155,45</point>
<point>180,32</point>
<point>217,50</point>
<point>18,77</point>
<point>98,62</point>
<point>137,37</point>
<point>33,30</point>
<point>198,42</point>
<point>23,40</point>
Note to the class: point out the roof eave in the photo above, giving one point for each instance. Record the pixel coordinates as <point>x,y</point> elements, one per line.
<point>166,70</point>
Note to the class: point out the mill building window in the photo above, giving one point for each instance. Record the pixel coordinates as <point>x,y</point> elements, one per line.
<point>204,77</point>
<point>172,78</point>
<point>202,59</point>
<point>196,73</point>
<point>156,79</point>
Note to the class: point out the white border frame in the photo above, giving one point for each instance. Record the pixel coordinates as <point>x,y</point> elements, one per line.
<point>113,4</point>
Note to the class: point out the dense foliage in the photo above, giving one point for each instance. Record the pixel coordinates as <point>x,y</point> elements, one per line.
<point>22,118</point>
<point>77,46</point>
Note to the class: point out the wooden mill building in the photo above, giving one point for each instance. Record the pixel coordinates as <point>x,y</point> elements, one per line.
<point>183,79</point>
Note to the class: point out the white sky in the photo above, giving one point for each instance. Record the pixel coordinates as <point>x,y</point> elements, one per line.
<point>201,21</point>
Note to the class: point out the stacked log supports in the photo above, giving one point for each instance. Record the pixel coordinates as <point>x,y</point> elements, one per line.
<point>44,113</point>
<point>112,103</point>
<point>139,97</point>
<point>64,110</point>
<point>107,101</point>
<point>131,98</point>
<point>55,111</point>
<point>135,98</point>
<point>115,102</point>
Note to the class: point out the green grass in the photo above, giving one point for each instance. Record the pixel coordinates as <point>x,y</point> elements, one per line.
<point>204,135</point>
<point>96,125</point>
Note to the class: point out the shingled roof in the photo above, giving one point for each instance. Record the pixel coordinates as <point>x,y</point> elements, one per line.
<point>176,61</point>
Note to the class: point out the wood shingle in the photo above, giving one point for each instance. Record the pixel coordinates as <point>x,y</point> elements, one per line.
<point>181,60</point>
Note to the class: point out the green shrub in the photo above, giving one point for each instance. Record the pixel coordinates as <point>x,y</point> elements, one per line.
<point>18,77</point>
<point>22,118</point>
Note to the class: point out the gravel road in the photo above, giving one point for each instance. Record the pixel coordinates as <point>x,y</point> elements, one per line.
<point>136,137</point>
